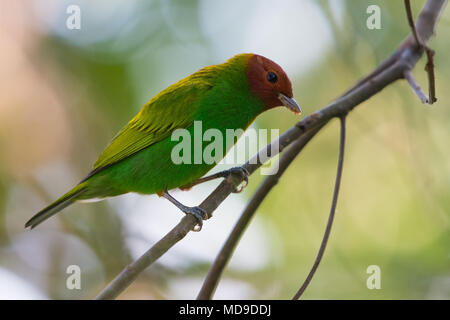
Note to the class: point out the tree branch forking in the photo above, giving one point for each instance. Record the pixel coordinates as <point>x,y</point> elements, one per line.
<point>398,66</point>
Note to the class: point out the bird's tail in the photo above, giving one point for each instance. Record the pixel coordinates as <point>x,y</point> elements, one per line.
<point>56,206</point>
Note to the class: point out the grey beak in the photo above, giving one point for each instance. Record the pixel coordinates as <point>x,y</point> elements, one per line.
<point>289,103</point>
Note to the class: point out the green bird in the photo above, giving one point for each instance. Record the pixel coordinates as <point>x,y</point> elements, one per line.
<point>224,96</point>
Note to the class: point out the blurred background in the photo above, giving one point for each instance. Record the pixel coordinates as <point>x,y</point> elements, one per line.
<point>64,93</point>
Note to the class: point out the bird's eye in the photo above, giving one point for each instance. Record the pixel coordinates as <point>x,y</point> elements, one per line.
<point>272,77</point>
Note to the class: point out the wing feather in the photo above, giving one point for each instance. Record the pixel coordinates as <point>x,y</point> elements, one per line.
<point>173,108</point>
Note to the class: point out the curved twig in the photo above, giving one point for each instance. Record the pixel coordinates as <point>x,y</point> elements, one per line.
<point>326,235</point>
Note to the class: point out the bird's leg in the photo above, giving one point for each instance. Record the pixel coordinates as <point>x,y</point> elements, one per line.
<point>240,171</point>
<point>197,212</point>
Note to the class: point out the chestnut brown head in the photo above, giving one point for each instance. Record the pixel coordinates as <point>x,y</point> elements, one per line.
<point>269,82</point>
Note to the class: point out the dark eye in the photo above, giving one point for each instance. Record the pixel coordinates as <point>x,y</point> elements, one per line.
<point>272,77</point>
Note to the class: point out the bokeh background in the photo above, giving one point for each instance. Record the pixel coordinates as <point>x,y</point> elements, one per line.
<point>65,93</point>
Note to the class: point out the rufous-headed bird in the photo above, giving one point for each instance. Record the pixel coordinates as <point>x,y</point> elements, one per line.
<point>224,96</point>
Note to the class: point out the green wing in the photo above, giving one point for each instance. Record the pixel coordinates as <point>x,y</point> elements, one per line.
<point>173,108</point>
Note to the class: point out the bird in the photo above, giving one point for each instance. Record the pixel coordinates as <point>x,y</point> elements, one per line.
<point>139,159</point>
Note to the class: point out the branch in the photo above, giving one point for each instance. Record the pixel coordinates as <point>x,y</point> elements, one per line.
<point>337,185</point>
<point>407,58</point>
<point>429,68</point>
<point>411,22</point>
<point>415,87</point>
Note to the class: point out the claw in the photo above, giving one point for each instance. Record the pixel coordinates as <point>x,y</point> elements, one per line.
<point>199,214</point>
<point>243,173</point>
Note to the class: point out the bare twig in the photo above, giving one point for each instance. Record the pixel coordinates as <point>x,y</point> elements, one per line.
<point>411,22</point>
<point>130,273</point>
<point>429,68</point>
<point>407,58</point>
<point>415,86</point>
<point>326,235</point>
<point>215,272</point>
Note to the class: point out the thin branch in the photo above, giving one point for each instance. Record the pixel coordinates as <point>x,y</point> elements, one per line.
<point>409,56</point>
<point>429,68</point>
<point>411,22</point>
<point>415,86</point>
<point>131,272</point>
<point>326,235</point>
<point>215,272</point>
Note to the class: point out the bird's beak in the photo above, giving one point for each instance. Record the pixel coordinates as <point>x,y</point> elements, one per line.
<point>289,103</point>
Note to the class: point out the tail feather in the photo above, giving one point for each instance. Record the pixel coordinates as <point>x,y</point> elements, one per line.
<point>55,207</point>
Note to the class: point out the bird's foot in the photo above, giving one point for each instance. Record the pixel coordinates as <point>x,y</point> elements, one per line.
<point>198,213</point>
<point>240,172</point>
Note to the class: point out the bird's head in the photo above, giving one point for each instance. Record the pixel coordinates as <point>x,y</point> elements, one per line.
<point>269,82</point>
